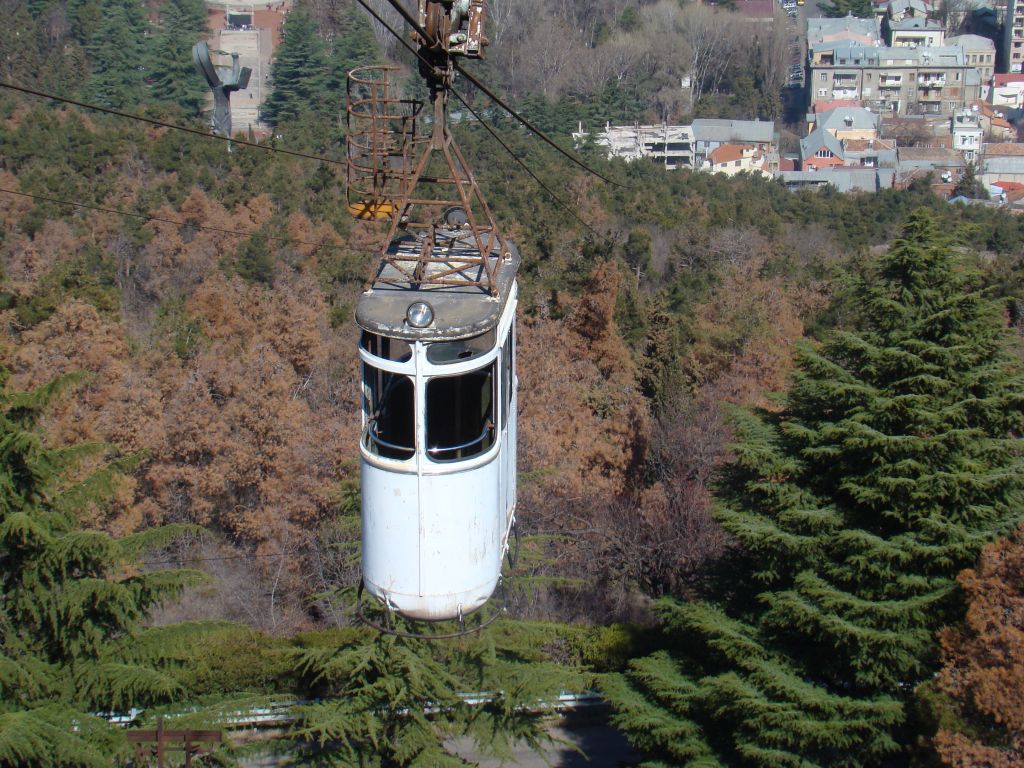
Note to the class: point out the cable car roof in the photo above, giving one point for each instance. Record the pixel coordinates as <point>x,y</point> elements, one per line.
<point>452,281</point>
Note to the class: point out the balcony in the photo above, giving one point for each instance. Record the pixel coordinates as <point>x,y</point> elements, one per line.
<point>845,93</point>
<point>931,82</point>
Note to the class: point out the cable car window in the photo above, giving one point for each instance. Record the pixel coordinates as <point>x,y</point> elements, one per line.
<point>506,377</point>
<point>460,415</point>
<point>388,349</point>
<point>448,352</point>
<point>390,414</point>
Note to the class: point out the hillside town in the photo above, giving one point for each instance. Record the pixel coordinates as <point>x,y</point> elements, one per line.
<point>890,100</point>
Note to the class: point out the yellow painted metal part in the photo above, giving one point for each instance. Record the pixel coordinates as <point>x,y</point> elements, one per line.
<point>372,210</point>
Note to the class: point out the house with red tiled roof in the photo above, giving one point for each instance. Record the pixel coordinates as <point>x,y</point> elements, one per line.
<point>731,159</point>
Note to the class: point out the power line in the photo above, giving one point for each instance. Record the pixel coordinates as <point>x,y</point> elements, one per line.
<point>530,126</point>
<point>162,124</point>
<point>179,561</point>
<point>487,91</point>
<point>524,166</point>
<point>146,217</point>
<point>483,122</point>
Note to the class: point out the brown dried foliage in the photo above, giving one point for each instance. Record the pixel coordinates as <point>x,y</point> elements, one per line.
<point>983,670</point>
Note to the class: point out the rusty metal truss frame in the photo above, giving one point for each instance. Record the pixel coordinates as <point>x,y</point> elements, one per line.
<point>415,180</point>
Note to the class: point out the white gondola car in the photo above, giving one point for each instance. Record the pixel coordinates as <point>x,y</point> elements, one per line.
<point>439,432</point>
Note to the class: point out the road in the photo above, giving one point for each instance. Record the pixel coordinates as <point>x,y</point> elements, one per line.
<point>589,742</point>
<point>584,740</point>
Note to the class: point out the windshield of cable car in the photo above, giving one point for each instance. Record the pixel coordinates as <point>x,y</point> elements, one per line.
<point>389,403</point>
<point>448,352</point>
<point>460,415</point>
<point>387,349</point>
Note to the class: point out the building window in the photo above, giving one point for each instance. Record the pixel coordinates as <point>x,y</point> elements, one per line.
<point>823,153</point>
<point>824,75</point>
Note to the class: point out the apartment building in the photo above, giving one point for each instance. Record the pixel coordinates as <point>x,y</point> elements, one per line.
<point>692,146</point>
<point>669,145</point>
<point>979,52</point>
<point>915,32</point>
<point>967,132</point>
<point>1013,35</point>
<point>904,81</point>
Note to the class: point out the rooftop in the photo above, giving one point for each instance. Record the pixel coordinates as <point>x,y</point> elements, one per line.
<point>728,153</point>
<point>734,131</point>
<point>930,155</point>
<point>915,22</point>
<point>848,118</point>
<point>819,139</point>
<point>974,42</point>
<point>1004,150</point>
<point>847,27</point>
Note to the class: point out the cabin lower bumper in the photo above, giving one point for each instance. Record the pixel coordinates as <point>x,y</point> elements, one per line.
<point>433,607</point>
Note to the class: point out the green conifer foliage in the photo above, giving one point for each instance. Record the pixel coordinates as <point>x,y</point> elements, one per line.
<point>390,702</point>
<point>68,602</point>
<point>299,72</point>
<point>119,52</point>
<point>175,79</point>
<point>891,464</point>
<point>354,46</point>
<point>839,8</point>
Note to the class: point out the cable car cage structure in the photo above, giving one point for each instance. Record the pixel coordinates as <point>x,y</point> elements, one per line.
<point>438,448</point>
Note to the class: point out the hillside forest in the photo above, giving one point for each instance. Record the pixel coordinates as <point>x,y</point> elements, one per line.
<point>770,475</point>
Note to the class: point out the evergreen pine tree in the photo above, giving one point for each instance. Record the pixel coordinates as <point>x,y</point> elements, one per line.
<point>175,79</point>
<point>355,45</point>
<point>390,702</point>
<point>299,75</point>
<point>119,52</point>
<point>889,467</point>
<point>69,602</point>
<point>840,8</point>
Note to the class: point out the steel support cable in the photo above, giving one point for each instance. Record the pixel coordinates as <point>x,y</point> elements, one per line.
<point>561,203</point>
<point>147,217</point>
<point>396,4</point>
<point>162,124</point>
<point>483,122</point>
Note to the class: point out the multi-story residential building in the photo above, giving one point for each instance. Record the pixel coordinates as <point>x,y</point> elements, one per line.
<point>979,52</point>
<point>820,150</point>
<point>1013,35</point>
<point>967,132</point>
<point>709,134</point>
<point>691,146</point>
<point>667,145</point>
<point>915,32</point>
<point>898,80</point>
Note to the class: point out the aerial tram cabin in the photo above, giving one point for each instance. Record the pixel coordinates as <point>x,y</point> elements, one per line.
<point>439,437</point>
<point>437,321</point>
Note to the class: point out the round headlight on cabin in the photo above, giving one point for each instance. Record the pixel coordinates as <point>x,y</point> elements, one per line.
<point>420,314</point>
